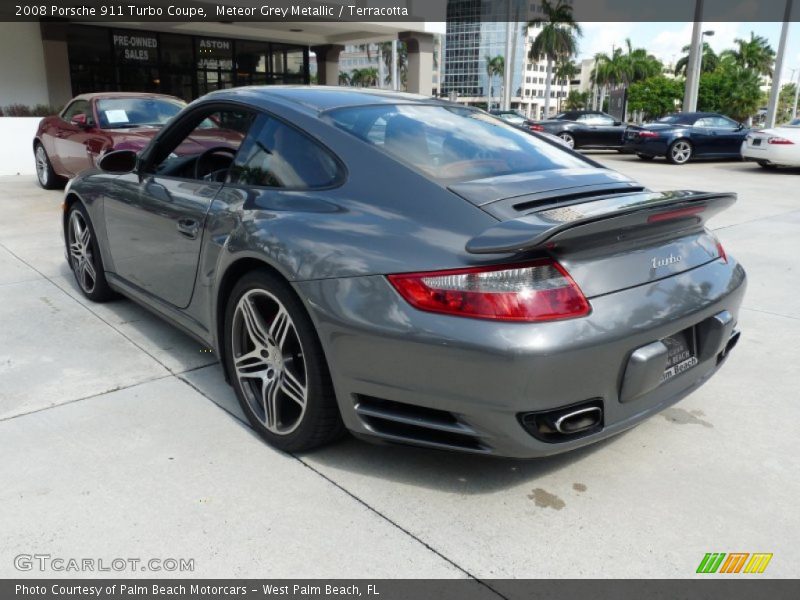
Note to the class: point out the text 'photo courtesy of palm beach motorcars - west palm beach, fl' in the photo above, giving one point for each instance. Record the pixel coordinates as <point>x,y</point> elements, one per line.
<point>539,264</point>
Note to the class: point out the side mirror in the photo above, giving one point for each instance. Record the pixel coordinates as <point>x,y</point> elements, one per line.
<point>617,123</point>
<point>79,120</point>
<point>741,126</point>
<point>119,162</point>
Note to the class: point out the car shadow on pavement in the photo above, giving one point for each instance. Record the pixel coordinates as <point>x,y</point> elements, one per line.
<point>440,470</point>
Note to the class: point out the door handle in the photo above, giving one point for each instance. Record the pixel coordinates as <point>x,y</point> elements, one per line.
<point>188,227</point>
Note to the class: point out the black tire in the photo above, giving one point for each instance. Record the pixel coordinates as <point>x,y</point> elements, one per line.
<point>680,152</point>
<point>645,156</point>
<point>45,174</point>
<point>98,290</point>
<point>319,421</point>
<point>767,165</point>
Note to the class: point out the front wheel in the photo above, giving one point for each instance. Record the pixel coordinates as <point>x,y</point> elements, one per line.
<point>680,152</point>
<point>277,366</point>
<point>84,256</point>
<point>568,139</point>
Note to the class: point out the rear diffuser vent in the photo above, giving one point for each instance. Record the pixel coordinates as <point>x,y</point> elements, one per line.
<point>402,422</point>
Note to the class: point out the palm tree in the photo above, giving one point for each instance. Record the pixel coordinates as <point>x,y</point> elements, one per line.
<point>367,77</point>
<point>557,39</point>
<point>639,65</point>
<point>494,66</point>
<point>344,78</point>
<point>609,72</point>
<point>709,64</point>
<point>755,54</point>
<point>565,70</point>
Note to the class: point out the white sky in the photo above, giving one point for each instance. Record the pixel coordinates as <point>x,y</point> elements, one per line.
<point>665,40</point>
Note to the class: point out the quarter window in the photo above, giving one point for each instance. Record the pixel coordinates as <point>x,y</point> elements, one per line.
<point>280,156</point>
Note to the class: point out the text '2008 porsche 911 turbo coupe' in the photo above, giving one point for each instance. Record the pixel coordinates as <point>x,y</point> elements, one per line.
<point>410,270</point>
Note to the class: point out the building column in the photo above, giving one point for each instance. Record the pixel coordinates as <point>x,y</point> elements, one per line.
<point>56,63</point>
<point>420,61</point>
<point>327,63</point>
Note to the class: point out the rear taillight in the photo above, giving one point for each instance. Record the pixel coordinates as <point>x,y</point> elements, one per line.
<point>648,134</point>
<point>537,291</point>
<point>537,128</point>
<point>780,141</point>
<point>678,213</point>
<point>721,251</point>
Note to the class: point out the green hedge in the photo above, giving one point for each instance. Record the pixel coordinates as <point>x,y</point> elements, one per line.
<point>23,110</point>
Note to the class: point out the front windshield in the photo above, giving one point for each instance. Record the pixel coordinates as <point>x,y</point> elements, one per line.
<point>119,113</point>
<point>452,143</point>
<point>793,123</point>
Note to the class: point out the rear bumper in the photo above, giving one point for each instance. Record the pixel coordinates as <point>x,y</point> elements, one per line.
<point>477,378</point>
<point>772,154</point>
<point>649,147</point>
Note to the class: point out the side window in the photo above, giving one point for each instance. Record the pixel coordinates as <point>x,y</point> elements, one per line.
<point>76,108</point>
<point>204,147</point>
<point>725,123</point>
<point>280,156</point>
<point>705,122</point>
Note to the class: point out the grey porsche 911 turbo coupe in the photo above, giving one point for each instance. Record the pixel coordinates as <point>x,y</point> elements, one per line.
<point>410,270</point>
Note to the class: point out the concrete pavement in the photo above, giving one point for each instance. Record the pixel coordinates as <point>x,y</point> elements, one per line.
<point>120,438</point>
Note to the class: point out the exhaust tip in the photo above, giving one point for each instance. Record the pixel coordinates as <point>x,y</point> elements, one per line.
<point>565,423</point>
<point>732,341</point>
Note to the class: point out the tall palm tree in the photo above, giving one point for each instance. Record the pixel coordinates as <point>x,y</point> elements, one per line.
<point>709,64</point>
<point>494,66</point>
<point>564,71</point>
<point>557,39</point>
<point>755,54</point>
<point>639,65</point>
<point>344,78</point>
<point>609,71</point>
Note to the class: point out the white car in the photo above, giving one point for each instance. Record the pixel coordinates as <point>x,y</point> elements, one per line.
<point>770,148</point>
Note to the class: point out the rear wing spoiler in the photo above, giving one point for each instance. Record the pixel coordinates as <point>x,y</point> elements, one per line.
<point>677,210</point>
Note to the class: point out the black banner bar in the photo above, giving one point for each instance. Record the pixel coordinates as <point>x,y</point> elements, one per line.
<point>290,11</point>
<point>734,588</point>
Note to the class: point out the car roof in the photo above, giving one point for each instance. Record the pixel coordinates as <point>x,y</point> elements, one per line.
<point>101,95</point>
<point>320,98</point>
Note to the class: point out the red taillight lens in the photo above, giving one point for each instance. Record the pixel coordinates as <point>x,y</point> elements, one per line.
<point>536,291</point>
<point>648,134</point>
<point>537,128</point>
<point>678,213</point>
<point>780,141</point>
<point>722,254</point>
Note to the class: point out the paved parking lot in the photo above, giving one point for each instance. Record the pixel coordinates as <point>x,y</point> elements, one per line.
<point>119,438</point>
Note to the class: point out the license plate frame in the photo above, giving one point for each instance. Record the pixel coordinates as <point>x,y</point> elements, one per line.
<point>681,353</point>
<point>756,142</point>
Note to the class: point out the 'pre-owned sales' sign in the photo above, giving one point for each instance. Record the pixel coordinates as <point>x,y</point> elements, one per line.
<point>138,48</point>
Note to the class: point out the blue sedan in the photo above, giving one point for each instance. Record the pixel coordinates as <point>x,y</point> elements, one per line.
<point>685,136</point>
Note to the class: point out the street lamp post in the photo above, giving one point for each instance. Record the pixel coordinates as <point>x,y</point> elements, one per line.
<point>774,93</point>
<point>796,94</point>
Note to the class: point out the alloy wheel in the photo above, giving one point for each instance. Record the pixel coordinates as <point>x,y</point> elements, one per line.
<point>42,166</point>
<point>681,152</point>
<point>568,139</point>
<point>268,361</point>
<point>80,252</point>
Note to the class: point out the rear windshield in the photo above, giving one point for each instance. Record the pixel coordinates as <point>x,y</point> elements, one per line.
<point>794,123</point>
<point>119,113</point>
<point>452,144</point>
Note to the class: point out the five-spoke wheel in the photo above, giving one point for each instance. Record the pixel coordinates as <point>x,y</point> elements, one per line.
<point>277,366</point>
<point>679,152</point>
<point>84,256</point>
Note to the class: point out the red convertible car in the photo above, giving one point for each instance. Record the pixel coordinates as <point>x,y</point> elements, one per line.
<point>92,124</point>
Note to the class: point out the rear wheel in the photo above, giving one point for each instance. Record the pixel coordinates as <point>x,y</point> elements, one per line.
<point>645,156</point>
<point>277,366</point>
<point>84,256</point>
<point>680,152</point>
<point>47,177</point>
<point>569,140</point>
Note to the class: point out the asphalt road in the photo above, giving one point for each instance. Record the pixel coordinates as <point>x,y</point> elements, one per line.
<point>119,438</point>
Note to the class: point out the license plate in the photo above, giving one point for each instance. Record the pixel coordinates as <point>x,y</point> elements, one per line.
<point>681,355</point>
<point>756,141</point>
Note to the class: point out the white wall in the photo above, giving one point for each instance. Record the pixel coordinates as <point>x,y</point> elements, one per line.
<point>22,69</point>
<point>16,145</point>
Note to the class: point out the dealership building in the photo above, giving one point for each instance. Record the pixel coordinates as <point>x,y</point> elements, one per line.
<point>48,62</point>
